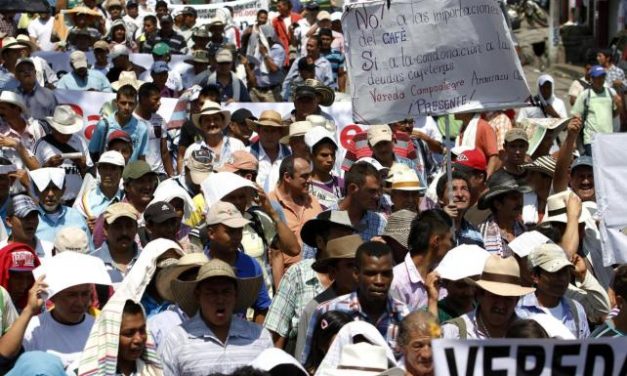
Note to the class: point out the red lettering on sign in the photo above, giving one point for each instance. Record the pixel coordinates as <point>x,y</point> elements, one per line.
<point>347,134</point>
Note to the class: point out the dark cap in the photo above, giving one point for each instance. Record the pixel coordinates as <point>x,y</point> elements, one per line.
<point>189,10</point>
<point>240,116</point>
<point>304,91</point>
<point>132,3</point>
<point>312,5</point>
<point>584,160</point>
<point>325,32</point>
<point>119,134</point>
<point>166,18</point>
<point>136,169</point>
<point>159,212</point>
<point>161,3</point>
<point>304,65</point>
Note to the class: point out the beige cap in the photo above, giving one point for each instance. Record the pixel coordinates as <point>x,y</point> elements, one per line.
<point>102,45</point>
<point>118,210</point>
<point>549,257</point>
<point>227,214</point>
<point>78,59</point>
<point>516,134</point>
<point>323,15</point>
<point>297,128</point>
<point>378,133</point>
<point>71,239</point>
<point>240,160</point>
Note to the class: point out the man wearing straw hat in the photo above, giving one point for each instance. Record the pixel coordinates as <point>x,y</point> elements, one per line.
<point>214,339</point>
<point>406,189</point>
<point>499,289</point>
<point>268,150</point>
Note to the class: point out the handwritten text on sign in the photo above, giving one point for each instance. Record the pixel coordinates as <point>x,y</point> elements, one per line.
<point>244,11</point>
<point>430,57</point>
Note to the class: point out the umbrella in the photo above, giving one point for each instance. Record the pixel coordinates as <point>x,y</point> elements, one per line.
<point>33,6</point>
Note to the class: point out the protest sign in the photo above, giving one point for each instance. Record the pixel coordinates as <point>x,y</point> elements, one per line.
<point>530,357</point>
<point>610,182</point>
<point>430,57</point>
<point>244,11</point>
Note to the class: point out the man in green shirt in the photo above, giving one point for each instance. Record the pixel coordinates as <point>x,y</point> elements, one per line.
<point>597,106</point>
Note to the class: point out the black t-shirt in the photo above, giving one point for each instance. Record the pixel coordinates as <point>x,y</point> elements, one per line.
<point>189,134</point>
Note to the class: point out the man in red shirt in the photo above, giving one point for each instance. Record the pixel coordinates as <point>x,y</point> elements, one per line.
<point>284,25</point>
<point>484,138</point>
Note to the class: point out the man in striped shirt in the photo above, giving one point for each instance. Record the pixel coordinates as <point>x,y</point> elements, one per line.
<point>617,325</point>
<point>335,57</point>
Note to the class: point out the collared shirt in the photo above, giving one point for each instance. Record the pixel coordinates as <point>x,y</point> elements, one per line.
<point>265,78</point>
<point>607,329</point>
<point>324,73</point>
<point>473,330</point>
<point>95,81</point>
<point>310,308</point>
<point>191,349</point>
<point>31,134</point>
<point>576,322</point>
<point>614,73</point>
<point>8,80</point>
<point>40,102</point>
<point>492,239</point>
<point>468,234</point>
<point>93,201</point>
<point>229,145</point>
<point>409,287</point>
<point>371,224</point>
<point>115,272</point>
<point>136,130</point>
<point>298,286</point>
<point>50,224</point>
<point>387,324</point>
<point>268,171</point>
<point>163,322</point>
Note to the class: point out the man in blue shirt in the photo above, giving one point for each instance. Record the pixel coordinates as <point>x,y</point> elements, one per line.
<point>122,118</point>
<point>269,72</point>
<point>225,228</point>
<point>82,78</point>
<point>335,57</point>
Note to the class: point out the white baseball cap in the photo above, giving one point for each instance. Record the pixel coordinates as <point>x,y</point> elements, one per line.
<point>112,157</point>
<point>316,134</point>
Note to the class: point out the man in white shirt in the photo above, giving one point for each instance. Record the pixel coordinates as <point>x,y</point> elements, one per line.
<point>547,105</point>
<point>40,31</point>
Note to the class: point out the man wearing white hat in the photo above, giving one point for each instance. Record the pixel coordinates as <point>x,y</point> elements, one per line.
<point>296,138</point>
<point>65,148</point>
<point>82,78</point>
<point>325,185</point>
<point>10,53</point>
<point>406,188</point>
<point>18,132</point>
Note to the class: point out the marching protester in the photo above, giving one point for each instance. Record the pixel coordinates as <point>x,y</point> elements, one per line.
<point>209,189</point>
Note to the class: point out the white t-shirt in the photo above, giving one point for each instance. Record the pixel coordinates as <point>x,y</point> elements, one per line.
<point>42,31</point>
<point>428,126</point>
<point>44,333</point>
<point>73,179</point>
<point>153,154</point>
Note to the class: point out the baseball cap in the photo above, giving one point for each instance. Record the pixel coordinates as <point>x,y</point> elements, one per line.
<point>112,3</point>
<point>189,10</point>
<point>119,210</point>
<point>166,18</point>
<point>549,257</point>
<point>227,214</point>
<point>240,116</point>
<point>373,162</point>
<point>71,239</point>
<point>159,212</point>
<point>101,45</point>
<point>119,134</point>
<point>516,134</point>
<point>240,160</point>
<point>161,49</point>
<point>136,169</point>
<point>112,157</point>
<point>119,50</point>
<point>584,160</point>
<point>78,59</point>
<point>21,205</point>
<point>317,134</point>
<point>132,3</point>
<point>200,165</point>
<point>159,67</point>
<point>378,133</point>
<point>471,160</point>
<point>323,15</point>
<point>22,260</point>
<point>224,56</point>
<point>597,71</point>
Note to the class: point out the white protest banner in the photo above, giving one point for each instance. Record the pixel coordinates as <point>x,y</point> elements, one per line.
<point>610,182</point>
<point>537,357</point>
<point>430,57</point>
<point>244,11</point>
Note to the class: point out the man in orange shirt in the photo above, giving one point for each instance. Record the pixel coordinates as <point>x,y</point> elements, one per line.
<point>484,138</point>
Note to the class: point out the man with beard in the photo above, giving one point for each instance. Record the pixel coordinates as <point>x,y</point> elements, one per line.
<point>465,232</point>
<point>371,301</point>
<point>498,292</point>
<point>120,250</point>
<point>122,118</point>
<point>551,273</point>
<point>504,198</point>
<point>49,186</point>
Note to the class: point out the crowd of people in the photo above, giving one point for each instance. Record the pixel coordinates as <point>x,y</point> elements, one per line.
<point>249,243</point>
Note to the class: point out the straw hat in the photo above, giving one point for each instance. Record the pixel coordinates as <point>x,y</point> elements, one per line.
<point>327,95</point>
<point>25,41</point>
<point>405,179</point>
<point>268,118</point>
<point>544,164</point>
<point>500,184</point>
<point>556,209</point>
<point>13,98</point>
<point>322,223</point>
<point>297,128</point>
<point>11,44</point>
<point>210,108</point>
<point>173,272</point>
<point>398,226</point>
<point>127,78</point>
<point>65,120</point>
<point>344,247</point>
<point>247,288</point>
<point>501,276</point>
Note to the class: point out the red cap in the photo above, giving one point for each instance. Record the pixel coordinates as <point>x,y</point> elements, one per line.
<point>22,261</point>
<point>119,134</point>
<point>471,159</point>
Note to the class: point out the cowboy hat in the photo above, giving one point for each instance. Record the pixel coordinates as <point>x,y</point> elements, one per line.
<point>268,118</point>
<point>297,128</point>
<point>404,179</point>
<point>198,56</point>
<point>398,226</point>
<point>344,247</point>
<point>127,78</point>
<point>556,209</point>
<point>210,108</point>
<point>322,223</point>
<point>363,359</point>
<point>13,98</point>
<point>500,184</point>
<point>544,164</point>
<point>65,120</point>
<point>247,288</point>
<point>501,276</point>
<point>173,272</point>
<point>10,43</point>
<point>327,95</point>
